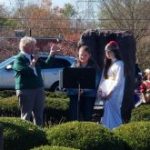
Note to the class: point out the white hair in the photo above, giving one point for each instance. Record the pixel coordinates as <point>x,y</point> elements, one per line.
<point>25,41</point>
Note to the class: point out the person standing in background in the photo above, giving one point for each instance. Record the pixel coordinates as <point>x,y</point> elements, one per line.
<point>111,87</point>
<point>145,86</point>
<point>28,81</point>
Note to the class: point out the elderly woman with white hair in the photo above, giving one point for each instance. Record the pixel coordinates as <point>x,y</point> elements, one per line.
<point>28,81</point>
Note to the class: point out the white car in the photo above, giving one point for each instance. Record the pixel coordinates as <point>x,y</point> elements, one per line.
<point>50,73</point>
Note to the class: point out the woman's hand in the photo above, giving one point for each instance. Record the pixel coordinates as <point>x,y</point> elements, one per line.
<point>99,93</point>
<point>103,95</point>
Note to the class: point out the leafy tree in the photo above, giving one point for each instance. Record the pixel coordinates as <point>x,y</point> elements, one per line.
<point>42,21</point>
<point>126,14</point>
<point>68,10</point>
<point>4,21</point>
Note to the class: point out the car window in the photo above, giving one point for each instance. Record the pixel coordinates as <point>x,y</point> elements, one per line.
<point>55,63</point>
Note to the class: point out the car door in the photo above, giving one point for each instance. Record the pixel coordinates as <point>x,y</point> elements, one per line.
<point>7,80</point>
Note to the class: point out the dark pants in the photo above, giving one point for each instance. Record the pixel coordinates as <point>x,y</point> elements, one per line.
<point>81,110</point>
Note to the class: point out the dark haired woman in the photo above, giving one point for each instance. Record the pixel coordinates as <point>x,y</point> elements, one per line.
<point>88,96</point>
<point>111,87</point>
<point>83,109</point>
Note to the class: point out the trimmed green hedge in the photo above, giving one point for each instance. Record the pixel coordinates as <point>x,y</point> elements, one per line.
<point>56,109</point>
<point>46,147</point>
<point>6,93</point>
<point>9,93</point>
<point>62,95</point>
<point>136,134</point>
<point>9,107</point>
<point>21,135</point>
<point>85,136</point>
<point>141,113</point>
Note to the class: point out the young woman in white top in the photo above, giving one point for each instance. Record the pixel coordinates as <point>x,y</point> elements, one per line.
<point>111,87</point>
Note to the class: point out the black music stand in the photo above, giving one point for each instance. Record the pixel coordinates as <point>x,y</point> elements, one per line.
<point>78,78</point>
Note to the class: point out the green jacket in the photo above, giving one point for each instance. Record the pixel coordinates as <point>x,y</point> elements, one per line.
<point>24,75</point>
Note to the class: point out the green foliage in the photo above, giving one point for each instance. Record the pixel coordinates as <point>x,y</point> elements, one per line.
<point>69,10</point>
<point>56,109</point>
<point>136,134</point>
<point>7,22</point>
<point>141,113</point>
<point>6,93</point>
<point>21,135</point>
<point>56,94</point>
<point>46,147</point>
<point>9,107</point>
<point>85,136</point>
<point>4,21</point>
<point>10,103</point>
<point>57,103</point>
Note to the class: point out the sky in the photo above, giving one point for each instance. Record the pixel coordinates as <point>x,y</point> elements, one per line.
<point>10,4</point>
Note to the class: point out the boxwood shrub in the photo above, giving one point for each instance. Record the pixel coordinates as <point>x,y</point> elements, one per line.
<point>136,134</point>
<point>47,147</point>
<point>84,136</point>
<point>9,107</point>
<point>56,109</point>
<point>62,95</point>
<point>9,93</point>
<point>6,93</point>
<point>21,135</point>
<point>141,113</point>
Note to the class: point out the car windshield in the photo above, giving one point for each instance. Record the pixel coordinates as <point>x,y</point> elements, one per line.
<point>7,61</point>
